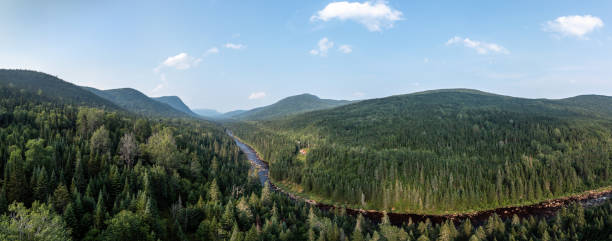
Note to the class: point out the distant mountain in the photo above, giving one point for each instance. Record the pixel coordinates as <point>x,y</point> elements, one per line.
<point>51,88</point>
<point>137,102</point>
<point>207,112</point>
<point>595,103</point>
<point>233,113</point>
<point>176,103</point>
<point>290,105</point>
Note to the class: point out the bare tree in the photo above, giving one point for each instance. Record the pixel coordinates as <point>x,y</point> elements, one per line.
<point>128,148</point>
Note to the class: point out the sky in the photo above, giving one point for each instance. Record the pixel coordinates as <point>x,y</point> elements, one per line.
<point>229,55</point>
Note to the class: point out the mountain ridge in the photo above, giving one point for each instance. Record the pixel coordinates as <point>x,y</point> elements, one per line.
<point>52,87</point>
<point>290,106</point>
<point>137,102</point>
<point>176,103</point>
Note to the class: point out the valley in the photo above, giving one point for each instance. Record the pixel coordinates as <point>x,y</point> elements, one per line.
<point>335,120</point>
<point>114,160</point>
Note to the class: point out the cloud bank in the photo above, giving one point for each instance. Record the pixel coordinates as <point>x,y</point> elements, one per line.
<point>577,26</point>
<point>180,61</point>
<point>480,47</point>
<point>257,95</point>
<point>234,46</point>
<point>347,49</point>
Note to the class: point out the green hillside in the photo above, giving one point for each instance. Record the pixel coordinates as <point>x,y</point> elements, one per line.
<point>290,105</point>
<point>49,88</point>
<point>82,173</point>
<point>137,102</point>
<point>73,172</point>
<point>441,151</point>
<point>176,103</point>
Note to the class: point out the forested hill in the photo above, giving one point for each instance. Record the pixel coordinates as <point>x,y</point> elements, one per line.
<point>137,102</point>
<point>598,104</point>
<point>50,88</point>
<point>441,151</point>
<point>176,103</point>
<point>290,105</point>
<point>71,172</point>
<point>441,106</point>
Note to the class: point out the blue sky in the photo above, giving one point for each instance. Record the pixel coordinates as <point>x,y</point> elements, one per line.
<point>229,55</point>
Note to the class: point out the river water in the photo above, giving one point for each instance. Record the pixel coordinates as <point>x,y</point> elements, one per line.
<point>256,163</point>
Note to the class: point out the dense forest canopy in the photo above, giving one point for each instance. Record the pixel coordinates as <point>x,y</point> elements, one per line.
<point>74,168</point>
<point>440,151</point>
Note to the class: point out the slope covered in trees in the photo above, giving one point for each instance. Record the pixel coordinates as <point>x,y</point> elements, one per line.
<point>440,151</point>
<point>176,103</point>
<point>71,172</point>
<point>290,105</point>
<point>46,87</point>
<point>137,102</point>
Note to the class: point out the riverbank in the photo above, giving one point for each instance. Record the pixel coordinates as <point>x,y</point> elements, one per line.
<point>544,208</point>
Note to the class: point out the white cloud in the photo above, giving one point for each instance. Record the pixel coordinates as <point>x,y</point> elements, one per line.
<point>480,47</point>
<point>162,85</point>
<point>426,60</point>
<point>347,49</point>
<point>374,15</point>
<point>358,94</point>
<point>323,47</point>
<point>257,95</point>
<point>180,61</point>
<point>576,25</point>
<point>213,50</point>
<point>157,88</point>
<point>234,46</point>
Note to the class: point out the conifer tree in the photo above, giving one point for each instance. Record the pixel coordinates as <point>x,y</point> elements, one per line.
<point>15,180</point>
<point>100,212</point>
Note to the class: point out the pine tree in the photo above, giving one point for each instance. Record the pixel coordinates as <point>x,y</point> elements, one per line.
<point>61,197</point>
<point>266,194</point>
<point>236,234</point>
<point>252,235</point>
<point>474,238</point>
<point>467,228</point>
<point>213,192</point>
<point>423,237</point>
<point>71,218</point>
<point>358,232</point>
<point>100,212</point>
<point>445,233</point>
<point>3,201</point>
<point>228,220</point>
<point>15,180</point>
<point>78,178</point>
<point>40,184</point>
<point>115,182</point>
